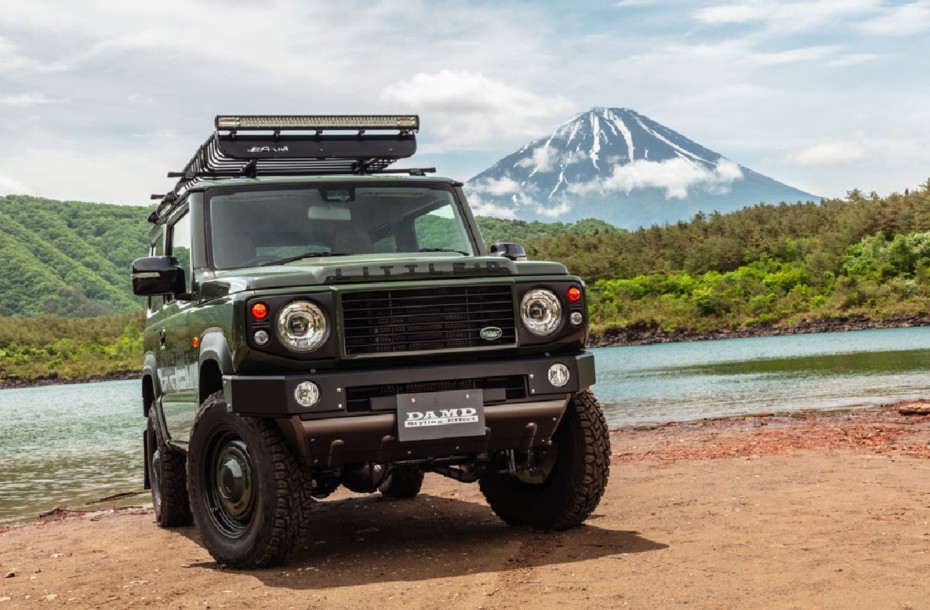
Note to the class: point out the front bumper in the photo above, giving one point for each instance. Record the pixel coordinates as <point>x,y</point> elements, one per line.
<point>342,430</point>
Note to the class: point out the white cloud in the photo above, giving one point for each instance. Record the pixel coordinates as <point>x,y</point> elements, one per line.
<point>10,186</point>
<point>786,17</point>
<point>675,176</point>
<point>904,20</point>
<point>830,154</point>
<point>518,195</point>
<point>732,13</point>
<point>853,59</point>
<point>561,208</point>
<point>23,100</point>
<point>543,159</point>
<point>498,186</point>
<point>11,59</point>
<point>482,207</point>
<point>472,110</point>
<point>803,54</point>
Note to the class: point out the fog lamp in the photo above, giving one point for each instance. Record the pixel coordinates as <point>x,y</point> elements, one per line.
<point>559,375</point>
<point>261,337</point>
<point>307,394</point>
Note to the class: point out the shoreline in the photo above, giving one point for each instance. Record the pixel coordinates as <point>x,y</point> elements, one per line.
<point>902,412</point>
<point>19,382</point>
<point>735,512</point>
<point>641,333</point>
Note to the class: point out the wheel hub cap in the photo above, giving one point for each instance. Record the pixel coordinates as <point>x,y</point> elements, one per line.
<point>234,479</point>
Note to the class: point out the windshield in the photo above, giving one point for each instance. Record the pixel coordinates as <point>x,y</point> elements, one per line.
<point>279,225</point>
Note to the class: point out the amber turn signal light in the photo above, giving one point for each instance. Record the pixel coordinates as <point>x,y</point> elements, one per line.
<point>573,294</point>
<point>259,311</point>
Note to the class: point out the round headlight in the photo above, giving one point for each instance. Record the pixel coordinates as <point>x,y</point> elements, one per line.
<point>301,326</point>
<point>541,312</point>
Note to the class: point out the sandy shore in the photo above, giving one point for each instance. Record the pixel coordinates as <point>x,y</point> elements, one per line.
<point>810,511</point>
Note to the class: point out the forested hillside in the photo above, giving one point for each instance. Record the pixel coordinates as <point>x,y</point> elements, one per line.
<point>67,258</point>
<point>864,257</point>
<point>860,257</point>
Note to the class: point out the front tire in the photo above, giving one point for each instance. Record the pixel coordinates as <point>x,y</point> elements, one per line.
<point>568,478</point>
<point>167,478</point>
<point>246,488</point>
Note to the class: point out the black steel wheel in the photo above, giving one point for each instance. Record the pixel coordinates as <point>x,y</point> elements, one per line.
<point>559,486</point>
<point>402,483</point>
<point>167,477</point>
<point>246,488</point>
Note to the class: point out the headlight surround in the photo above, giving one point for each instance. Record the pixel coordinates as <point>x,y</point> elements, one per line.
<point>301,326</point>
<point>541,312</point>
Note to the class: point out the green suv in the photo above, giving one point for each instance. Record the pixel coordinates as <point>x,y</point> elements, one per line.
<point>317,319</point>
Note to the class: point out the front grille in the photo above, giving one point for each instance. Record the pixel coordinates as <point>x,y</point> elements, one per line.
<point>426,319</point>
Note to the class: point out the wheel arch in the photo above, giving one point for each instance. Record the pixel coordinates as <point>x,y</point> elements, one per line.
<point>215,361</point>
<point>151,388</point>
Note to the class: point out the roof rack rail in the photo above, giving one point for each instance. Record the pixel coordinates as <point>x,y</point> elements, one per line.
<point>313,145</point>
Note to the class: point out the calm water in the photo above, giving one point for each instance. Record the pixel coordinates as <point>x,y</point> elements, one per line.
<point>66,445</point>
<point>687,381</point>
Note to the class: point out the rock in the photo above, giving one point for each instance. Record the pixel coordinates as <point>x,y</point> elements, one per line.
<point>10,574</point>
<point>915,408</point>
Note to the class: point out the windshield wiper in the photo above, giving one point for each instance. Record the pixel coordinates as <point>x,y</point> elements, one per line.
<point>442,250</point>
<point>291,259</point>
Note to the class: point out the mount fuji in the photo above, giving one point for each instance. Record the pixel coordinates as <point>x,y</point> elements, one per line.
<point>620,166</point>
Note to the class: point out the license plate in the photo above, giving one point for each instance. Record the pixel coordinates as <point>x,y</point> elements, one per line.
<point>431,415</point>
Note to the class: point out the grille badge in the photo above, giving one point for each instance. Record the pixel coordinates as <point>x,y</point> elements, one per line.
<point>491,333</point>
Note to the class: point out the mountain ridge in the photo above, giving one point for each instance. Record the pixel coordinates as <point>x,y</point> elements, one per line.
<point>620,166</point>
<point>68,258</point>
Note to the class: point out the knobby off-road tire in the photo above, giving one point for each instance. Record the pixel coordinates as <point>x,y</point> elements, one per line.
<point>402,483</point>
<point>167,478</point>
<point>246,488</point>
<point>574,486</point>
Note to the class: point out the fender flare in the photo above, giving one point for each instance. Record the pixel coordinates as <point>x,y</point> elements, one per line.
<point>150,370</point>
<point>215,347</point>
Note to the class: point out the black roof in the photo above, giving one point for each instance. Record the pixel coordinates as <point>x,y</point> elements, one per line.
<point>261,145</point>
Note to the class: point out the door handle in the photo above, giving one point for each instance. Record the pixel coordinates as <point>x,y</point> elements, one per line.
<point>161,337</point>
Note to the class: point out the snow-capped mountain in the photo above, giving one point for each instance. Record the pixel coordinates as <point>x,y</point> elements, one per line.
<point>617,165</point>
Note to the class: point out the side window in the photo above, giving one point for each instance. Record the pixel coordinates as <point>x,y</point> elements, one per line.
<point>179,243</point>
<point>440,229</point>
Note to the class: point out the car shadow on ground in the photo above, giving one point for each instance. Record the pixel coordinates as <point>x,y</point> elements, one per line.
<point>369,539</point>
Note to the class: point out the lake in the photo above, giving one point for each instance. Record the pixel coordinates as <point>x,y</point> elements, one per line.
<point>70,444</point>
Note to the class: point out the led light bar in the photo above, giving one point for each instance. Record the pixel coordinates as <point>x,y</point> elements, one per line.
<point>407,122</point>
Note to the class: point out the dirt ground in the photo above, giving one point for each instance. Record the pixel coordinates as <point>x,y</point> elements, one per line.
<point>811,511</point>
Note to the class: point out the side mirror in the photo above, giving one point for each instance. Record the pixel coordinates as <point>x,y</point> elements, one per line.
<point>157,275</point>
<point>514,252</point>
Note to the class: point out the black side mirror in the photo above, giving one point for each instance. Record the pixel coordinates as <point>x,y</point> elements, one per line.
<point>514,252</point>
<point>157,275</point>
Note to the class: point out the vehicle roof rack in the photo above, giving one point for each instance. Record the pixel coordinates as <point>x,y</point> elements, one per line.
<point>296,145</point>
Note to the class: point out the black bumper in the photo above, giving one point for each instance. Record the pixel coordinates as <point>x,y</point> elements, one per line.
<point>273,395</point>
<point>330,434</point>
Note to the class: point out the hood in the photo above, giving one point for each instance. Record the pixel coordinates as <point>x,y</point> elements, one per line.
<point>368,268</point>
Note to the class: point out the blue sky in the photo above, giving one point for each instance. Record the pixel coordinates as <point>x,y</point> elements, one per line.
<point>99,99</point>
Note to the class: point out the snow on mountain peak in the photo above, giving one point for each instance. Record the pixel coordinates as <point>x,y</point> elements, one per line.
<point>604,161</point>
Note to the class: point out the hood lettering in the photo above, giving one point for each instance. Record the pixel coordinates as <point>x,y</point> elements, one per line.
<point>438,269</point>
